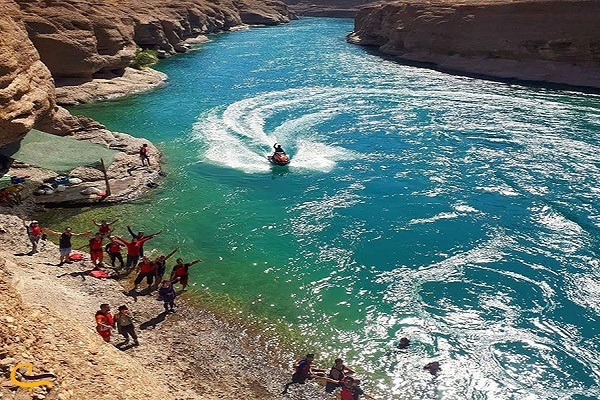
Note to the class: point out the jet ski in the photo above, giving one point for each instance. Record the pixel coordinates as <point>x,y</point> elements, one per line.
<point>279,159</point>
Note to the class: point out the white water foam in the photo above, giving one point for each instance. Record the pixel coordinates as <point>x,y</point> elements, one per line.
<point>235,136</point>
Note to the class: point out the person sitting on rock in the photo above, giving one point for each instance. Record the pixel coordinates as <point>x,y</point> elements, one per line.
<point>337,372</point>
<point>304,371</point>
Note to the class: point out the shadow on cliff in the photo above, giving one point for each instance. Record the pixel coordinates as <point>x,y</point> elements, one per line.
<point>524,84</point>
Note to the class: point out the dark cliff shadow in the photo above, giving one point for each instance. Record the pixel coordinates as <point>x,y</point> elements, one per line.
<point>523,83</point>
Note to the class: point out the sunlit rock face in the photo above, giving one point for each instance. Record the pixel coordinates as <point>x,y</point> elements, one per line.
<point>326,8</point>
<point>552,41</point>
<point>79,38</point>
<point>26,87</point>
<point>46,41</point>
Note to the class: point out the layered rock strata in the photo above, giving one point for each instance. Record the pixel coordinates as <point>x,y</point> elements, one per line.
<point>556,41</point>
<point>66,41</point>
<point>326,8</point>
<point>78,38</point>
<point>26,87</point>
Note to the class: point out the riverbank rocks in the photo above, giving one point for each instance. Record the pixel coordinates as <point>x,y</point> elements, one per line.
<point>553,41</point>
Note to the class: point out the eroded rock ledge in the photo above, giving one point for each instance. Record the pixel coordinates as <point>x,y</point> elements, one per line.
<point>553,41</point>
<point>62,41</point>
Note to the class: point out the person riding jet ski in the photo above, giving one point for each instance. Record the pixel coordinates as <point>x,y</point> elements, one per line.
<point>279,157</point>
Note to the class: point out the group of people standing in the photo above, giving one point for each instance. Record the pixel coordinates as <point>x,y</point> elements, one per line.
<point>104,241</point>
<point>339,376</point>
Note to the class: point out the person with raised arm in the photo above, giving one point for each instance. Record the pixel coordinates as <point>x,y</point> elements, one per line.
<point>104,226</point>
<point>161,265</point>
<point>113,249</point>
<point>34,232</point>
<point>133,250</point>
<point>180,273</point>
<point>64,242</point>
<point>140,235</point>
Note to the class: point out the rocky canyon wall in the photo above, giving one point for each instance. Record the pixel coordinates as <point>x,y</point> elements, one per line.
<point>46,41</point>
<point>556,41</point>
<point>326,8</point>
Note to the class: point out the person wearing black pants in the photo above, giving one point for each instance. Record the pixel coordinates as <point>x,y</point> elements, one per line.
<point>125,326</point>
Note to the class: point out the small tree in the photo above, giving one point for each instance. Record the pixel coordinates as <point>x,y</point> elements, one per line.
<point>143,58</point>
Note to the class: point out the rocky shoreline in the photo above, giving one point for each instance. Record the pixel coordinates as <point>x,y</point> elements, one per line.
<point>46,311</point>
<point>47,319</point>
<point>76,91</point>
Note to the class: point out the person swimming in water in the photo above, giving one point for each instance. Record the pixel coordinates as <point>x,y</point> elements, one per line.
<point>403,344</point>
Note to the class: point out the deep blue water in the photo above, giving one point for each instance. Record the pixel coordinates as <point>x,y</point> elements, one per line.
<point>461,213</point>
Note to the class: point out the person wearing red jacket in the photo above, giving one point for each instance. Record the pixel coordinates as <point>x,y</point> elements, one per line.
<point>113,248</point>
<point>96,248</point>
<point>147,269</point>
<point>104,322</point>
<point>34,232</point>
<point>133,249</point>
<point>180,273</point>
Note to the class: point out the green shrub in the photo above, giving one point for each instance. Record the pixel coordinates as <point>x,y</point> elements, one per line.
<point>143,58</point>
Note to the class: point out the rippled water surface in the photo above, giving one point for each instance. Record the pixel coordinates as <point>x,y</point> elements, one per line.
<point>461,213</point>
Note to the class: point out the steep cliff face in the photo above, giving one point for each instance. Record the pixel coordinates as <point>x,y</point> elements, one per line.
<point>554,41</point>
<point>78,38</point>
<point>43,41</point>
<point>327,8</point>
<point>26,89</point>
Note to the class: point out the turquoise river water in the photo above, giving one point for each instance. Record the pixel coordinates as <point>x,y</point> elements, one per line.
<point>461,213</point>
